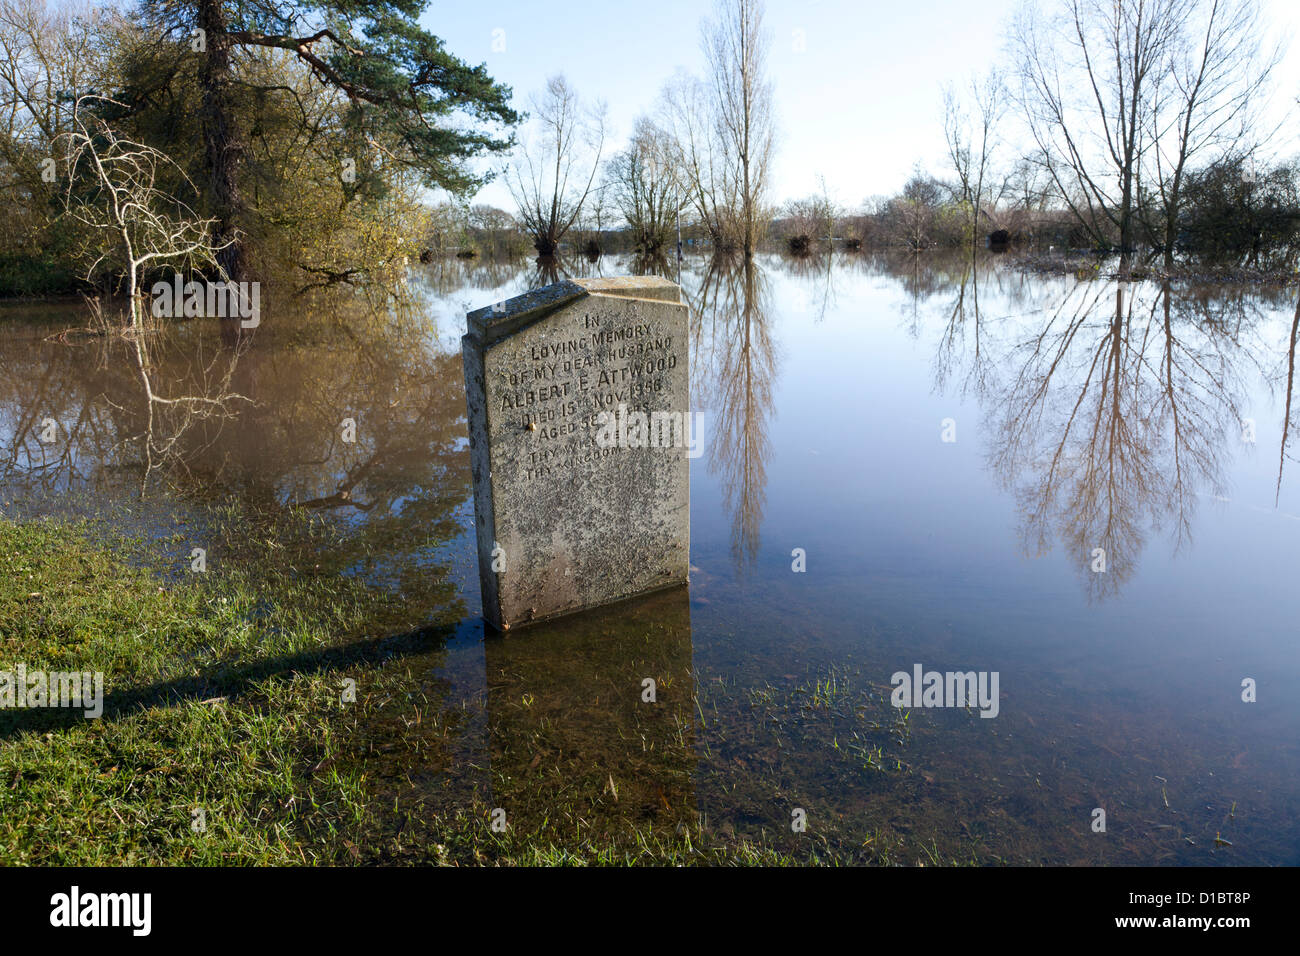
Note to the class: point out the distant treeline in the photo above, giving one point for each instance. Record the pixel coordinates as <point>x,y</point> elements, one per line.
<point>1229,212</point>
<point>1135,127</point>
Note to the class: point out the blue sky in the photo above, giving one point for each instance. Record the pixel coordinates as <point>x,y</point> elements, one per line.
<point>860,105</point>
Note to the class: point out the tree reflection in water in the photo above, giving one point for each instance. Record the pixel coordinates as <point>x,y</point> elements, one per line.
<point>734,371</point>
<point>392,488</point>
<point>1112,414</point>
<point>1111,406</point>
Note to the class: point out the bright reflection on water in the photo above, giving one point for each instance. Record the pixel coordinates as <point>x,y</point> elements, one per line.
<point>1147,422</point>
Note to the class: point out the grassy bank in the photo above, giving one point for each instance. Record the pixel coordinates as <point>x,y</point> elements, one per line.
<point>226,738</point>
<point>197,758</point>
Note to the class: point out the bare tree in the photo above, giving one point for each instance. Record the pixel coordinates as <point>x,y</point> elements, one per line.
<point>1204,101</point>
<point>971,136</point>
<point>645,185</point>
<point>1088,80</point>
<point>917,208</point>
<point>555,168</point>
<point>735,45</point>
<point>133,226</point>
<point>1027,193</point>
<point>807,219</point>
<point>686,112</point>
<point>496,227</point>
<point>47,52</point>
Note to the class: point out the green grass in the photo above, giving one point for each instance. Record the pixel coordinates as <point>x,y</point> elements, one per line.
<point>190,724</point>
<point>224,696</point>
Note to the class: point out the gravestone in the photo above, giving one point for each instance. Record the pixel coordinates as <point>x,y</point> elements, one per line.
<point>580,443</point>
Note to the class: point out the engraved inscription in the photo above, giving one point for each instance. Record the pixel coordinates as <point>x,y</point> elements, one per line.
<point>556,389</point>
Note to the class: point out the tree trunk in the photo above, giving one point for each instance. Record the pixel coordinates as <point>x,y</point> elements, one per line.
<point>222,144</point>
<point>1171,236</point>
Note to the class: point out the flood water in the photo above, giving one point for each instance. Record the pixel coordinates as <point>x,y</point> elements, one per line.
<point>952,451</point>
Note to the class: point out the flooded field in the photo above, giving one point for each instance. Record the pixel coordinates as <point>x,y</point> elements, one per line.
<point>1081,488</point>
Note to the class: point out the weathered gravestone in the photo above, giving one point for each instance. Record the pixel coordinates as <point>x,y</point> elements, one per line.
<point>580,440</point>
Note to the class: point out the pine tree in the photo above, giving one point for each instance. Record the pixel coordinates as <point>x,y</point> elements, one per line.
<point>406,95</point>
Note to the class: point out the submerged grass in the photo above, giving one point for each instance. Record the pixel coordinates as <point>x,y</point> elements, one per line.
<point>226,737</point>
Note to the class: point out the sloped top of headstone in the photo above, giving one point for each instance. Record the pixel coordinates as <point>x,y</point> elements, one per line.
<point>494,322</point>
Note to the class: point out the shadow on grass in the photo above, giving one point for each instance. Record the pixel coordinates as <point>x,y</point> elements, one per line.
<point>233,682</point>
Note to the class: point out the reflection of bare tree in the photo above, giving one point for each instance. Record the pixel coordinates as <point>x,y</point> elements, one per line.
<point>816,272</point>
<point>923,276</point>
<point>392,487</point>
<point>653,264</point>
<point>44,418</point>
<point>1290,388</point>
<point>940,272</point>
<point>548,270</point>
<point>1112,419</point>
<point>446,275</point>
<point>194,391</point>
<point>736,371</point>
<point>106,397</point>
<point>963,343</point>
